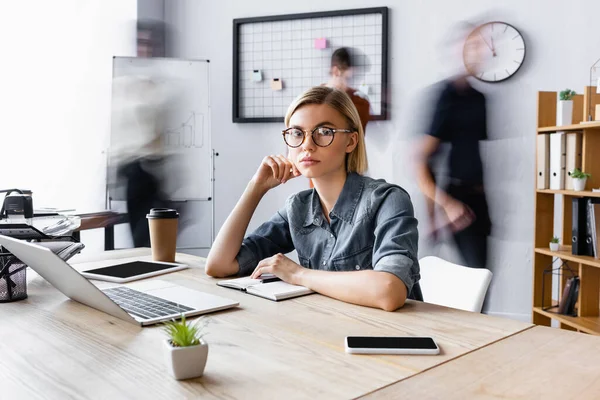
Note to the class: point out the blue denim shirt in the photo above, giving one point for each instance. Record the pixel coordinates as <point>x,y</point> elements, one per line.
<point>372,228</point>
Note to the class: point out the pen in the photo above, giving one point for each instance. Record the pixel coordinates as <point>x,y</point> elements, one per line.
<point>274,279</point>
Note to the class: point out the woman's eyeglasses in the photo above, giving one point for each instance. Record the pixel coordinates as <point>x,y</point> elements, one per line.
<point>321,136</point>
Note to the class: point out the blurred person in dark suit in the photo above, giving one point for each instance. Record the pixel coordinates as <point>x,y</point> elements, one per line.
<point>459,119</point>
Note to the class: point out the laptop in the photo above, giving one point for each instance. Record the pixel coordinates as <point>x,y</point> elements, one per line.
<point>143,303</point>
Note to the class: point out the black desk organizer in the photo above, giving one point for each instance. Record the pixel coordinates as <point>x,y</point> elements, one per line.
<point>13,277</point>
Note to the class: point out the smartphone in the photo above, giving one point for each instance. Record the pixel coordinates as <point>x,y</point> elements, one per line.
<point>391,345</point>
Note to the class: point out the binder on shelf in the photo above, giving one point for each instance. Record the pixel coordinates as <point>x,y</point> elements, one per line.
<point>594,224</point>
<point>566,294</point>
<point>573,296</point>
<point>557,161</point>
<point>580,240</point>
<point>543,161</point>
<point>572,157</point>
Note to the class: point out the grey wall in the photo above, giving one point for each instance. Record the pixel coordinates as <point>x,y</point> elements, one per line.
<point>561,47</point>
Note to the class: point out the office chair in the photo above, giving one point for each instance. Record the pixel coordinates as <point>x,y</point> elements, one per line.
<point>452,285</point>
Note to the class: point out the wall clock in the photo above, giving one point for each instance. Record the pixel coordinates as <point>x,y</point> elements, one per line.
<point>494,52</point>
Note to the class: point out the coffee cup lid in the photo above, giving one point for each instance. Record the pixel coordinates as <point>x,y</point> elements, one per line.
<point>162,213</point>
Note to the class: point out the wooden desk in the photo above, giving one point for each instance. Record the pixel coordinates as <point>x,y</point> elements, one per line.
<point>103,219</point>
<point>52,347</point>
<point>538,363</point>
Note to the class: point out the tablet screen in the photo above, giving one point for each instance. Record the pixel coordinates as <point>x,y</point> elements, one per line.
<point>131,269</point>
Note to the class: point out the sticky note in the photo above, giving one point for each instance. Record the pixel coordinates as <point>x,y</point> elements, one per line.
<point>276,84</point>
<point>320,43</point>
<point>256,75</point>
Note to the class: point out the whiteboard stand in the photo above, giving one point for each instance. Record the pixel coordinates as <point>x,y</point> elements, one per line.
<point>184,87</point>
<point>211,198</point>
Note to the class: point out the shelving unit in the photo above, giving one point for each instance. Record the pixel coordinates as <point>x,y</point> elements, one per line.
<point>587,268</point>
<point>570,128</point>
<point>571,193</point>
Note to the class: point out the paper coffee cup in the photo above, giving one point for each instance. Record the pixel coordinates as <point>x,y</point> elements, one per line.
<point>162,223</point>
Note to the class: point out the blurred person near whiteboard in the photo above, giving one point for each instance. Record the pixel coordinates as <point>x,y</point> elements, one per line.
<point>340,75</point>
<point>341,72</point>
<point>137,155</point>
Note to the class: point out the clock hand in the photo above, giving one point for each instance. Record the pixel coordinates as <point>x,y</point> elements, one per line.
<point>493,47</point>
<point>482,38</point>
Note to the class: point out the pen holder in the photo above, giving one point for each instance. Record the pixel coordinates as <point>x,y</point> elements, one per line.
<point>13,278</point>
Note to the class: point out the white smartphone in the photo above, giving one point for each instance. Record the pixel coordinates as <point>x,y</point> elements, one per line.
<point>391,345</point>
<point>132,271</point>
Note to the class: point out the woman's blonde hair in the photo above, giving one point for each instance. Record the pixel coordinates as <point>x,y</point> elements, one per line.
<point>337,99</point>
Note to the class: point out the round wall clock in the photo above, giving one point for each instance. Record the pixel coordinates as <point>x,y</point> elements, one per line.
<point>494,52</point>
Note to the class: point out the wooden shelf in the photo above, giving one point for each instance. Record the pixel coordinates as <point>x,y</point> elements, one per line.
<point>571,193</point>
<point>565,254</point>
<point>548,211</point>
<point>589,325</point>
<point>574,127</point>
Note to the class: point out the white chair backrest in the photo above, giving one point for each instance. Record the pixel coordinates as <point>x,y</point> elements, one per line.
<point>453,285</point>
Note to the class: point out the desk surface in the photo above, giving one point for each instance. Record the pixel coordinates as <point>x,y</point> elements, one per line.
<point>101,219</point>
<point>539,363</point>
<point>52,347</point>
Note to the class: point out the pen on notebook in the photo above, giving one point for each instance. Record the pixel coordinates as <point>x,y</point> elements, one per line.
<point>267,280</point>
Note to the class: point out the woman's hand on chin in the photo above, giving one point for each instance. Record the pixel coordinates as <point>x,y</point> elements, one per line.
<point>273,171</point>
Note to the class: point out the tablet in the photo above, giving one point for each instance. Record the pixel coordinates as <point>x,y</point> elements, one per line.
<point>132,271</point>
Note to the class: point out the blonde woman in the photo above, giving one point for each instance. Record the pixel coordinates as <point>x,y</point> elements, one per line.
<point>356,237</point>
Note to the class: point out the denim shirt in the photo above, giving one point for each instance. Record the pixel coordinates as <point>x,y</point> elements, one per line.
<point>372,228</point>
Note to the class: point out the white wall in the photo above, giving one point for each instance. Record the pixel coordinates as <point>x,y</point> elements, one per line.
<point>55,97</point>
<point>151,9</point>
<point>561,45</point>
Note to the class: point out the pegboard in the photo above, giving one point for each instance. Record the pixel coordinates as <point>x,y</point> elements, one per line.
<point>276,58</point>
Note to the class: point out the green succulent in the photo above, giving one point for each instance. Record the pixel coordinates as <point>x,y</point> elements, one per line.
<point>185,334</point>
<point>578,174</point>
<point>567,94</point>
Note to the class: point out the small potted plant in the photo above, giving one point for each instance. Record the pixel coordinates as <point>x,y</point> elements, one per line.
<point>185,351</point>
<point>579,179</point>
<point>564,112</point>
<point>554,244</point>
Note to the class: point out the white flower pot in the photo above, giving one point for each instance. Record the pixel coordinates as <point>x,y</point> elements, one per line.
<point>554,246</point>
<point>564,113</point>
<point>579,184</point>
<point>186,362</point>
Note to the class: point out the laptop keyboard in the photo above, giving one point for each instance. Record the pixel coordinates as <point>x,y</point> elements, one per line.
<point>143,305</point>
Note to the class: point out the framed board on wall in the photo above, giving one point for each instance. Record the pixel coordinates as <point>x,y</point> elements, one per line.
<point>276,58</point>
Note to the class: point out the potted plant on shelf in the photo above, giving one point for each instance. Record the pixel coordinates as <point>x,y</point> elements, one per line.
<point>564,112</point>
<point>554,244</point>
<point>579,179</point>
<point>185,351</point>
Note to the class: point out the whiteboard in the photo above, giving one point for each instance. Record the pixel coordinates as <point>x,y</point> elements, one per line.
<point>295,50</point>
<point>185,120</point>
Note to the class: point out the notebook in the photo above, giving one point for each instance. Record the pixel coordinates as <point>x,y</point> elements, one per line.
<point>269,288</point>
